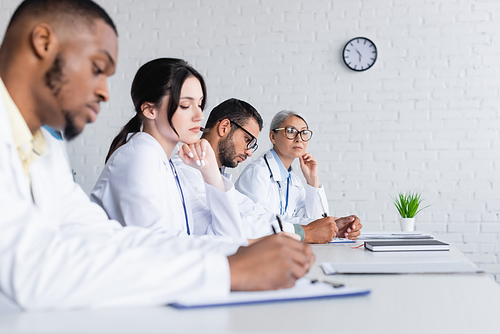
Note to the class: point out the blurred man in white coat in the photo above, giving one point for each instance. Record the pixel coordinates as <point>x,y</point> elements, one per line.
<point>59,250</point>
<point>232,130</point>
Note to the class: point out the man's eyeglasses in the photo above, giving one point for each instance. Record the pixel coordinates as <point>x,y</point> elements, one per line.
<point>252,144</point>
<point>292,133</point>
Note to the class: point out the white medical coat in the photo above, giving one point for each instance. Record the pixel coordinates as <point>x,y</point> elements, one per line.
<point>257,183</point>
<point>59,250</point>
<point>256,219</point>
<point>137,187</point>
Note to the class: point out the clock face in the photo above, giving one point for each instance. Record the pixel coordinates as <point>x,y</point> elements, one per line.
<point>360,54</point>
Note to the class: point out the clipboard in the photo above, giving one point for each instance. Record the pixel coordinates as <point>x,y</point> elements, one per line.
<point>303,290</point>
<point>342,241</point>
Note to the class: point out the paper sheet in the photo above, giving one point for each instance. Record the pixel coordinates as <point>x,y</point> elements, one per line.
<point>373,235</point>
<point>331,268</point>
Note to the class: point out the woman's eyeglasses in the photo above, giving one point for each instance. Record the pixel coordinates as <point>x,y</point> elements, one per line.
<point>292,133</point>
<point>252,144</point>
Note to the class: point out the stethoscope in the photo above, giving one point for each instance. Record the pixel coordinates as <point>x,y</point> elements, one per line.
<point>182,194</point>
<point>282,210</point>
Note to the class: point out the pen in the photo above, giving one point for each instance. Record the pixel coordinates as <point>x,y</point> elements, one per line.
<point>334,284</point>
<point>279,223</point>
<point>323,207</point>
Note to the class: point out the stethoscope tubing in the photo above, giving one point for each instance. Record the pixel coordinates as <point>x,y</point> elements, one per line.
<point>282,210</point>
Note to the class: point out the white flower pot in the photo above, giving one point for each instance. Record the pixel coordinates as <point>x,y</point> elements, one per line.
<point>407,224</point>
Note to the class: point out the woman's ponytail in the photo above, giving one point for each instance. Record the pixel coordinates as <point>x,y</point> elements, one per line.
<point>133,126</point>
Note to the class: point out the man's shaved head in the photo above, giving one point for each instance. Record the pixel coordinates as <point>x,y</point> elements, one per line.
<point>55,59</point>
<point>62,11</point>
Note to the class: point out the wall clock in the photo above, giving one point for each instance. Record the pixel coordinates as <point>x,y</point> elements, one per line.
<point>360,54</point>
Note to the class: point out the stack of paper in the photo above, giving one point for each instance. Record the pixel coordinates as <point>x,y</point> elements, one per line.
<point>373,235</point>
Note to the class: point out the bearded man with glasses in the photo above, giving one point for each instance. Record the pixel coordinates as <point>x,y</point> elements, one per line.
<point>228,155</point>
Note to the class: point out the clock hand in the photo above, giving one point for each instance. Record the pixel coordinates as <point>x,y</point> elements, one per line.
<point>358,54</point>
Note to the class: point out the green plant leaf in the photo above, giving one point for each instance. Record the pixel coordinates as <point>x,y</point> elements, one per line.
<point>408,204</point>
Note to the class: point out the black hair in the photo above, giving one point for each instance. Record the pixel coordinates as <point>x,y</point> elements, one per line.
<point>61,9</point>
<point>153,81</point>
<point>234,110</point>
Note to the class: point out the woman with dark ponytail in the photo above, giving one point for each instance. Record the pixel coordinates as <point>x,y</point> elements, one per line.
<point>140,185</point>
<point>133,126</point>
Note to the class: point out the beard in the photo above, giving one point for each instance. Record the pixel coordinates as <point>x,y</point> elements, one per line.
<point>54,80</point>
<point>70,130</point>
<point>227,152</point>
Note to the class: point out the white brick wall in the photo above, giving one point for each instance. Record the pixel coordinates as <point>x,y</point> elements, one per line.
<point>424,118</point>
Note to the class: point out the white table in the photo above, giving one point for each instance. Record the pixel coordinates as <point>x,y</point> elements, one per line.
<point>397,304</point>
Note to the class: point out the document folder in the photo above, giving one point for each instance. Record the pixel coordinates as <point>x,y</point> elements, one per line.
<point>303,290</point>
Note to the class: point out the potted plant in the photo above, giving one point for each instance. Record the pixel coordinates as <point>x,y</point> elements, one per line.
<point>407,205</point>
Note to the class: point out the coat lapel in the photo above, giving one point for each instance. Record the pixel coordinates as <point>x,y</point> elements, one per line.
<point>6,138</point>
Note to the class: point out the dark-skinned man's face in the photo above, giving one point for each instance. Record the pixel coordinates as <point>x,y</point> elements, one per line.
<point>78,76</point>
